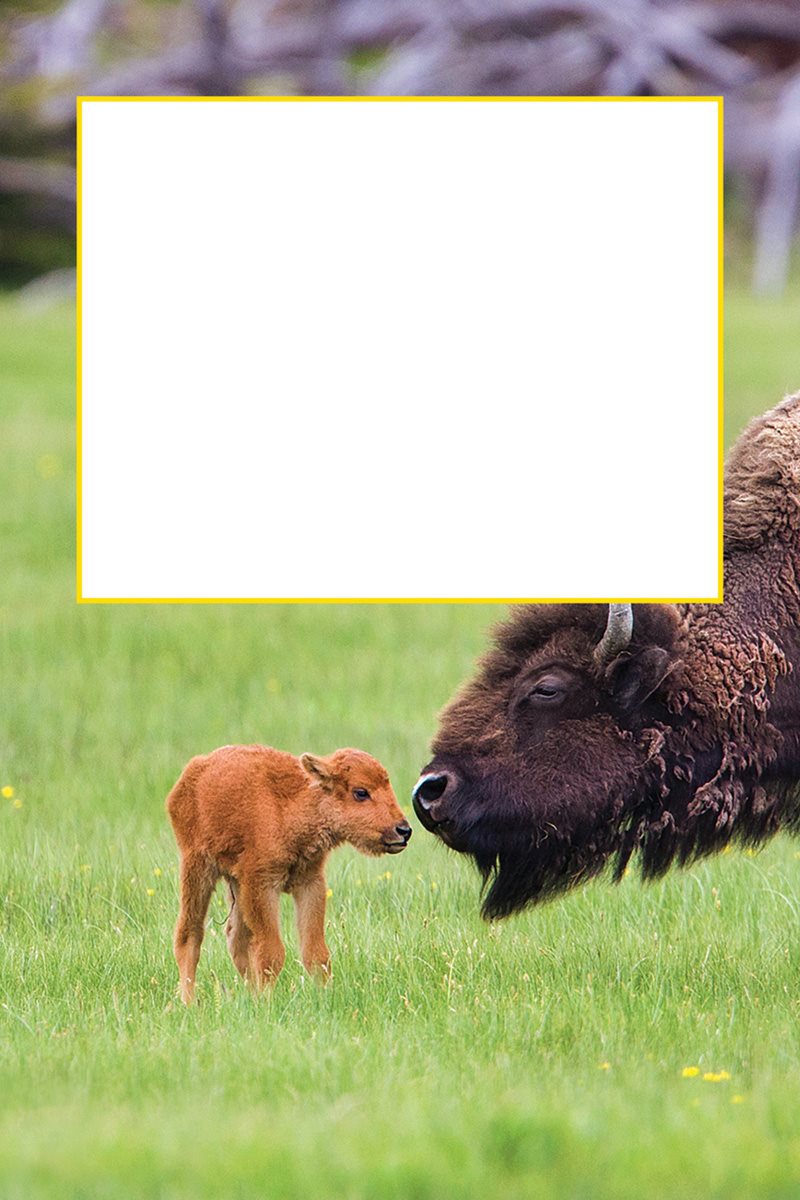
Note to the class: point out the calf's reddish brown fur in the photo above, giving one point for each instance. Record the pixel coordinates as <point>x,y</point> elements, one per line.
<point>265,822</point>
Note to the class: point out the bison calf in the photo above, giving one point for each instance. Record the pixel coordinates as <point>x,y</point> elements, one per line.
<point>265,822</point>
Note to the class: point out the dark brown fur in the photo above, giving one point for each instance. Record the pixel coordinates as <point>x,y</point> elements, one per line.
<point>265,822</point>
<point>690,738</point>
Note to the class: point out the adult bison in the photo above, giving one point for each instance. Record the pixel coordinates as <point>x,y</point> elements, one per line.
<point>594,731</point>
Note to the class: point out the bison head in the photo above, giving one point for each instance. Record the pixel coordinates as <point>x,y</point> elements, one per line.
<point>541,762</point>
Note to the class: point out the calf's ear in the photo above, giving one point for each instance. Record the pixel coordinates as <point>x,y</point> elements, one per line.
<point>317,768</point>
<point>631,679</point>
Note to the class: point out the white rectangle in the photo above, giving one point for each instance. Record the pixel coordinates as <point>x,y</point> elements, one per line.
<point>412,349</point>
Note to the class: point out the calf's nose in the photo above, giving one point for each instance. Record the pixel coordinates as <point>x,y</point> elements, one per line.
<point>403,830</point>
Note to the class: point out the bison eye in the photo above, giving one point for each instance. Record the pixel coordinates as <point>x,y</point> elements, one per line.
<point>360,794</point>
<point>547,691</point>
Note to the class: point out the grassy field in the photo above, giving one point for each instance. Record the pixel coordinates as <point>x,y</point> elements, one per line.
<point>625,1042</point>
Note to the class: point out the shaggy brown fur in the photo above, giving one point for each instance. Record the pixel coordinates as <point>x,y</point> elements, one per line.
<point>265,822</point>
<point>546,766</point>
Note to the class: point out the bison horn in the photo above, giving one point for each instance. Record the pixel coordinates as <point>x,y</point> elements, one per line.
<point>619,631</point>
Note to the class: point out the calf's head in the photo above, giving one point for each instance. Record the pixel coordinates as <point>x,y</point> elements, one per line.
<point>358,802</point>
<point>539,761</point>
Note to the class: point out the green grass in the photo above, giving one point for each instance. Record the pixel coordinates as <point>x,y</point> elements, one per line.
<point>447,1058</point>
<point>762,354</point>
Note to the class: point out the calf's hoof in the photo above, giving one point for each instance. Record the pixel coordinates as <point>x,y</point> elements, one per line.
<point>320,972</point>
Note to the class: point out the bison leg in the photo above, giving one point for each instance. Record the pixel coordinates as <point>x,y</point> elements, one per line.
<point>309,903</point>
<point>238,934</point>
<point>259,908</point>
<point>198,880</point>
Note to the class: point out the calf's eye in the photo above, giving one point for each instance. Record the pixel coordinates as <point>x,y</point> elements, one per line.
<point>360,794</point>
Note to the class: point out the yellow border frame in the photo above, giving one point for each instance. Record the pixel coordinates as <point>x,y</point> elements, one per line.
<point>718,100</point>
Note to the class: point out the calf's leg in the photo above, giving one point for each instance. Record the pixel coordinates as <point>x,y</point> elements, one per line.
<point>259,908</point>
<point>309,901</point>
<point>198,880</point>
<point>238,934</point>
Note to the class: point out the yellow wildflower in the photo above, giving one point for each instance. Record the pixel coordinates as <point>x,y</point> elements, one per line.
<point>605,1066</point>
<point>434,885</point>
<point>329,893</point>
<point>716,1076</point>
<point>151,891</point>
<point>48,466</point>
<point>8,791</point>
<point>17,803</point>
<point>156,871</point>
<point>86,867</point>
<point>690,1072</point>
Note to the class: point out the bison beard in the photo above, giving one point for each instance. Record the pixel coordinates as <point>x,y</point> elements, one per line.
<point>530,849</point>
<point>581,740</point>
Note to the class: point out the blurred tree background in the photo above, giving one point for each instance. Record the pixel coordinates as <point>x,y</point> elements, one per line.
<point>746,50</point>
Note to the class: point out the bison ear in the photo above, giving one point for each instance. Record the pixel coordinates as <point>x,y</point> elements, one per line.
<point>318,769</point>
<point>632,679</point>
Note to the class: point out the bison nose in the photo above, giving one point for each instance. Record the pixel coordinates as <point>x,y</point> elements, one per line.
<point>429,791</point>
